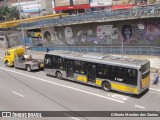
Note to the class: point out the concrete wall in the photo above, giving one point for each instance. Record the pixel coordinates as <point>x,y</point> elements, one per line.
<point>3,40</point>
<point>11,38</point>
<point>133,32</point>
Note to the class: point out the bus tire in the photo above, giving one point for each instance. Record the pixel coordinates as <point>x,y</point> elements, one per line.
<point>106,86</point>
<point>59,75</point>
<point>28,68</point>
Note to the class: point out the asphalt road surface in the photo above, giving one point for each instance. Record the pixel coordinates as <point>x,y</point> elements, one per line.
<point>34,91</point>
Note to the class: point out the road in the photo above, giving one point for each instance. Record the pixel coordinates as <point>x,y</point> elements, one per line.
<point>34,91</point>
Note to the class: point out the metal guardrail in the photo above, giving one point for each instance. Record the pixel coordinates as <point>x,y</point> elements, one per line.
<point>128,50</point>
<point>140,12</point>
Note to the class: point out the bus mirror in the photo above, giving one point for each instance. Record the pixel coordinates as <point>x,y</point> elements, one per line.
<point>139,69</point>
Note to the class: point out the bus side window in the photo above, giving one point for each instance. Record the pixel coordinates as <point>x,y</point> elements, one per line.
<point>103,71</point>
<point>61,63</point>
<point>54,63</point>
<point>100,71</point>
<point>107,71</point>
<point>57,62</point>
<point>83,66</point>
<point>114,71</point>
<point>122,72</point>
<point>64,64</point>
<point>132,77</point>
<point>134,74</point>
<point>48,62</point>
<point>79,67</point>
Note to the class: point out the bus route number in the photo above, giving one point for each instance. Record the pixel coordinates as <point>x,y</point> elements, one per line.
<point>119,79</point>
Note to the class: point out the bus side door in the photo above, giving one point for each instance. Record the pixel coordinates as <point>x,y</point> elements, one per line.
<point>70,68</point>
<point>91,71</point>
<point>48,65</point>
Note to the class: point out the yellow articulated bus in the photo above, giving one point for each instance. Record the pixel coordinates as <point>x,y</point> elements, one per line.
<point>106,71</point>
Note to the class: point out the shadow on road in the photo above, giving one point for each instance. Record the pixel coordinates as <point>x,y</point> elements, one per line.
<point>112,91</point>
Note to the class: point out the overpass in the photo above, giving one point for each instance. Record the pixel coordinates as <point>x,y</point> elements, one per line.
<point>16,23</point>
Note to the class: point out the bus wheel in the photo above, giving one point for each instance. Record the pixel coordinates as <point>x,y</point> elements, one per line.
<point>106,86</point>
<point>28,67</point>
<point>59,75</point>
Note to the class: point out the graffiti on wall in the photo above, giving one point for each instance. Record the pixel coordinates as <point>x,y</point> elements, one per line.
<point>51,37</point>
<point>101,35</point>
<point>69,35</point>
<point>107,34</point>
<point>85,37</point>
<point>47,36</point>
<point>145,32</point>
<point>127,34</point>
<point>149,31</point>
<point>13,38</point>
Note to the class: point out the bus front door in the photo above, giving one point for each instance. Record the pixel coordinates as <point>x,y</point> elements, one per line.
<point>70,70</point>
<point>91,72</point>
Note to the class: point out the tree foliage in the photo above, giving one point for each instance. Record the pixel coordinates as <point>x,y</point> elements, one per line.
<point>8,13</point>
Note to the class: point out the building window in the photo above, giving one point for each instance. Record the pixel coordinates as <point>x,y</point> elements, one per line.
<point>1,39</point>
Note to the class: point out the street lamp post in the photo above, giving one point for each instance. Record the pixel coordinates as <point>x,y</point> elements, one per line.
<point>121,38</point>
<point>39,9</point>
<point>21,22</point>
<point>122,45</point>
<point>77,7</point>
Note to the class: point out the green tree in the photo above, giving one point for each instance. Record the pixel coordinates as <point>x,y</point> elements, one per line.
<point>152,1</point>
<point>8,13</point>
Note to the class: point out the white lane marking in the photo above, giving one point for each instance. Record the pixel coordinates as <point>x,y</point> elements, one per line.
<point>116,96</point>
<point>17,94</point>
<point>154,89</point>
<point>71,117</point>
<point>63,85</point>
<point>139,106</point>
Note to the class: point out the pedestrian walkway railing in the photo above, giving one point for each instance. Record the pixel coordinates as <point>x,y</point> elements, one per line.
<point>128,50</point>
<point>139,12</point>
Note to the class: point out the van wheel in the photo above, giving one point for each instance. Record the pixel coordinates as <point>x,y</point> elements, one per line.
<point>39,36</point>
<point>106,86</point>
<point>59,75</point>
<point>28,67</point>
<point>6,63</point>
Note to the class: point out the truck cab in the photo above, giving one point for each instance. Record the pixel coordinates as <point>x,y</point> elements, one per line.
<point>11,54</point>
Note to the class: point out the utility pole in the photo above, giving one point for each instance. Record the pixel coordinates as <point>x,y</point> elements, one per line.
<point>121,39</point>
<point>5,2</point>
<point>21,22</point>
<point>77,6</point>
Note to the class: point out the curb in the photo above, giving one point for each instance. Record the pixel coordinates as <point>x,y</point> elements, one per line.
<point>35,52</point>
